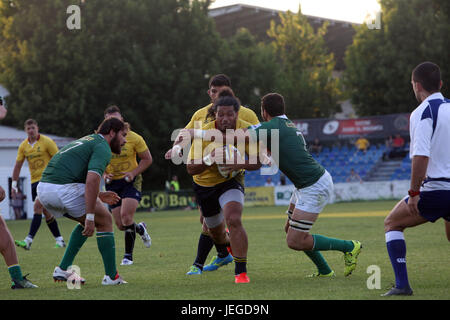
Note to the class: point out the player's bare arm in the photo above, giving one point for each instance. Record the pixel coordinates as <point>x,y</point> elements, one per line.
<point>194,169</point>
<point>145,161</point>
<point>418,172</point>
<point>15,175</point>
<point>251,163</point>
<point>91,195</point>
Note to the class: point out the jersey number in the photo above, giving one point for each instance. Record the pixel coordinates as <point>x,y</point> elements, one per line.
<point>299,134</point>
<point>75,144</point>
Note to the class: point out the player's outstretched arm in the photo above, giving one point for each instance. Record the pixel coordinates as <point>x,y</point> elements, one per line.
<point>91,195</point>
<point>15,175</point>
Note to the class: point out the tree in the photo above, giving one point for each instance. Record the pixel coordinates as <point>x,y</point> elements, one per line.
<point>306,69</point>
<point>379,62</point>
<point>252,67</point>
<point>150,57</point>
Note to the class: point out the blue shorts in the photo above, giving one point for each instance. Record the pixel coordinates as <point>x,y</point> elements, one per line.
<point>125,190</point>
<point>434,205</point>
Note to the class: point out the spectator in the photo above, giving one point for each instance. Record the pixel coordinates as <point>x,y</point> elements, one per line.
<point>174,184</point>
<point>388,142</point>
<point>362,144</point>
<point>354,177</point>
<point>269,183</point>
<point>17,201</point>
<point>398,145</point>
<point>315,147</point>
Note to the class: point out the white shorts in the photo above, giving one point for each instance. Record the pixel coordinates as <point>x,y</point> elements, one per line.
<point>314,198</point>
<point>61,199</point>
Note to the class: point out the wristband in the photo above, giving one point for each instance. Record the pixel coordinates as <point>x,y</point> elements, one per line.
<point>14,184</point>
<point>90,216</point>
<point>413,193</point>
<point>176,148</point>
<point>207,160</point>
<point>199,134</point>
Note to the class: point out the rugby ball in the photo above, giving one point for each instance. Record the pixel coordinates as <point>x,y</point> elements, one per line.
<point>230,153</point>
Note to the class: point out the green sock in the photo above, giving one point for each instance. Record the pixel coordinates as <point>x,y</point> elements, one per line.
<point>320,262</point>
<point>76,241</point>
<point>105,243</point>
<point>323,243</point>
<point>15,272</point>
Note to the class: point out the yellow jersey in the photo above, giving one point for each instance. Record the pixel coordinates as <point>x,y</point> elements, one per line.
<point>245,114</point>
<point>126,161</point>
<point>211,175</point>
<point>362,143</point>
<point>37,154</point>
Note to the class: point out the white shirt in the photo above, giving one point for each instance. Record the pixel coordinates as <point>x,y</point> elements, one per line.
<point>430,136</point>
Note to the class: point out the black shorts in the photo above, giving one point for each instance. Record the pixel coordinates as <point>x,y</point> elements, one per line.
<point>125,189</point>
<point>208,197</point>
<point>34,190</point>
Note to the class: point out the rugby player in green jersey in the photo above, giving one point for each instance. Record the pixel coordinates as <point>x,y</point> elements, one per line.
<point>70,187</point>
<point>313,187</point>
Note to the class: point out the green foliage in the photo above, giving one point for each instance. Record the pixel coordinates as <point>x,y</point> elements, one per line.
<point>147,56</point>
<point>306,80</point>
<point>153,58</point>
<point>252,66</point>
<point>380,61</point>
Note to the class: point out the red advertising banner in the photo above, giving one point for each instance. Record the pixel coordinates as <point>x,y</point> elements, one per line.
<point>375,127</point>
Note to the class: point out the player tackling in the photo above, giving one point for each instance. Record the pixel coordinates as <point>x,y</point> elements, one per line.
<point>313,184</point>
<point>70,187</point>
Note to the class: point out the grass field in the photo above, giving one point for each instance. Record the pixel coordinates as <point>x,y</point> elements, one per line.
<point>276,272</point>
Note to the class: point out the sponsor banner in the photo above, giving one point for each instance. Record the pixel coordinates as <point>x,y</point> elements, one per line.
<point>167,200</point>
<point>377,190</point>
<point>352,191</point>
<point>282,195</point>
<point>371,127</point>
<point>259,196</point>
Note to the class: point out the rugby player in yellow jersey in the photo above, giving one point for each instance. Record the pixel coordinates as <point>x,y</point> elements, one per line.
<point>37,149</point>
<point>200,118</point>
<point>123,176</point>
<point>221,196</point>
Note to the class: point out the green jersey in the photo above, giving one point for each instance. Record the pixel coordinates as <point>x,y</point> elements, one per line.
<point>72,163</point>
<point>294,159</point>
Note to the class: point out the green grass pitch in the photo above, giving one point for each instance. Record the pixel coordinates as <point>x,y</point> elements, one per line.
<point>276,272</point>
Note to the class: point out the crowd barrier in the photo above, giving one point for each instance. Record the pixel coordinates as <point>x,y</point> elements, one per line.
<point>279,195</point>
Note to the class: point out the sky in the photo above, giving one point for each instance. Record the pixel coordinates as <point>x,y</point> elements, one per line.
<point>346,10</point>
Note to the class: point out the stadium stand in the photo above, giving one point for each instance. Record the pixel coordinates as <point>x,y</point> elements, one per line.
<point>340,160</point>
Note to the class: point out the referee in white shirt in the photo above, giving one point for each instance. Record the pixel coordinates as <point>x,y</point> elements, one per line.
<point>429,195</point>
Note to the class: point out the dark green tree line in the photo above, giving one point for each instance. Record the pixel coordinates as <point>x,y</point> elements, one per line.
<point>380,61</point>
<point>153,58</point>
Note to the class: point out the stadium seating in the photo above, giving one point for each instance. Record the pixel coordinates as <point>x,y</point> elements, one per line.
<point>339,162</point>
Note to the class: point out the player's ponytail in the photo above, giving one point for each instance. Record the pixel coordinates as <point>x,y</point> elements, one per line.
<point>226,97</point>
